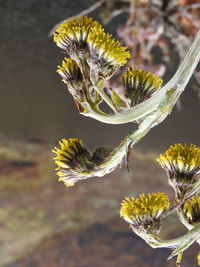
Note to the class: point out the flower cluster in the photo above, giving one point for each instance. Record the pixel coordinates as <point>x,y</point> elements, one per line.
<point>85,39</point>
<point>94,57</point>
<point>144,212</point>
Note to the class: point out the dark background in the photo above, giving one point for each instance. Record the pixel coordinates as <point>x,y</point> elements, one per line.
<point>35,104</point>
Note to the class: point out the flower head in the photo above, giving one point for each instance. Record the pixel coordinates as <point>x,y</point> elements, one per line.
<point>70,71</point>
<point>74,32</point>
<point>144,212</point>
<point>191,210</point>
<point>106,53</point>
<point>140,85</point>
<point>73,161</point>
<point>182,163</point>
<point>76,163</point>
<point>72,76</point>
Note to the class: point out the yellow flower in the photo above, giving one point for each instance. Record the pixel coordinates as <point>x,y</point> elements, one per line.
<point>144,212</point>
<point>76,163</point>
<point>191,210</point>
<point>70,71</point>
<point>140,85</point>
<point>74,32</point>
<point>72,76</point>
<point>85,39</point>
<point>181,160</point>
<point>182,164</point>
<point>108,52</point>
<point>73,160</point>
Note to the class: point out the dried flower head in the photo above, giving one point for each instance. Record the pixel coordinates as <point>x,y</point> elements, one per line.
<point>74,32</point>
<point>140,85</point>
<point>144,212</point>
<point>182,163</point>
<point>106,53</point>
<point>191,210</point>
<point>76,163</point>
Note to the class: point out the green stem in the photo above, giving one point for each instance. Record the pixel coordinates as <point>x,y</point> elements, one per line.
<point>120,152</point>
<point>179,258</point>
<point>105,97</point>
<point>180,244</point>
<point>195,188</point>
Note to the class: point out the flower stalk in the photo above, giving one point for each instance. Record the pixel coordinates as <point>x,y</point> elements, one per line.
<point>179,244</point>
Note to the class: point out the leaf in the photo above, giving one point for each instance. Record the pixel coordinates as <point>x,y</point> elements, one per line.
<point>118,102</point>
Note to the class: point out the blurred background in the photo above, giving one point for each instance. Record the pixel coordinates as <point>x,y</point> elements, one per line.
<point>42,223</point>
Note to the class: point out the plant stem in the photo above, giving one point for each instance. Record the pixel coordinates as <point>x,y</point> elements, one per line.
<point>180,244</point>
<point>105,97</point>
<point>179,258</point>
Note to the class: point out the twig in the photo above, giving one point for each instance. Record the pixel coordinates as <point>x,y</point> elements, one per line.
<point>132,13</point>
<point>116,13</point>
<point>180,244</point>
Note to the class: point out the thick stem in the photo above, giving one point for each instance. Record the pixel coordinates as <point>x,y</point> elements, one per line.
<point>180,243</point>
